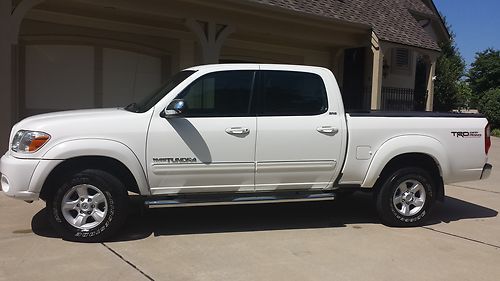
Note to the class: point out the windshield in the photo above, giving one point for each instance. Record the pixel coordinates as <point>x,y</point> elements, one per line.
<point>149,101</point>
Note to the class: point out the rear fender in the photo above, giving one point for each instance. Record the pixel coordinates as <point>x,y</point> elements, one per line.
<point>403,145</point>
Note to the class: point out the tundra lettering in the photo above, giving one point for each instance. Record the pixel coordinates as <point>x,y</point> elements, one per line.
<point>175,160</point>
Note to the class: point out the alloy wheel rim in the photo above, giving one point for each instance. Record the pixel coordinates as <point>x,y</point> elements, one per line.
<point>84,206</point>
<point>409,197</point>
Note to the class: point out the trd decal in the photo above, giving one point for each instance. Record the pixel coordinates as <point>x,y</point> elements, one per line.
<point>174,160</point>
<point>466,134</point>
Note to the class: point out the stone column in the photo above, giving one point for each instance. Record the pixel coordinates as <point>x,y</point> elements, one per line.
<point>6,43</point>
<point>10,22</point>
<point>6,110</point>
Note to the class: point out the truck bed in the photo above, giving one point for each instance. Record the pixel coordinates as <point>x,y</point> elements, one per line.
<point>455,141</point>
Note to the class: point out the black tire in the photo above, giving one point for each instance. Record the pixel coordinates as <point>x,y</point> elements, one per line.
<point>406,213</point>
<point>113,208</point>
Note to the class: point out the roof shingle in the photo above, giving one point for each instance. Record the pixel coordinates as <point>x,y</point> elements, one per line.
<point>390,19</point>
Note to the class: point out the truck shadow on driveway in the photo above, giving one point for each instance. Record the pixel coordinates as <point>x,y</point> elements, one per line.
<point>351,210</point>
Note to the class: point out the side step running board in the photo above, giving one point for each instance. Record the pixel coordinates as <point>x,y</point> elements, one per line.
<point>248,198</point>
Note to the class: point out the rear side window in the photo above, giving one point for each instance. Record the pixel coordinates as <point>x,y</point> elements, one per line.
<point>219,94</point>
<point>288,93</point>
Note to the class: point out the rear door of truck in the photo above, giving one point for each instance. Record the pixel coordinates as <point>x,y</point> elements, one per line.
<point>299,131</point>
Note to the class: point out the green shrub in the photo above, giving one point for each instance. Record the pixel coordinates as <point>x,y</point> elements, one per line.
<point>489,105</point>
<point>495,133</point>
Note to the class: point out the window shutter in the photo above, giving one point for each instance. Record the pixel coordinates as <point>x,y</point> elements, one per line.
<point>402,58</point>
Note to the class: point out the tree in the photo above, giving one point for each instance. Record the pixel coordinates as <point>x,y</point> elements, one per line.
<point>485,72</point>
<point>465,98</point>
<point>450,68</point>
<point>489,105</point>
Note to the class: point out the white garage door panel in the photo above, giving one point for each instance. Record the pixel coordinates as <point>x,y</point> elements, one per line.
<point>128,76</point>
<point>59,77</point>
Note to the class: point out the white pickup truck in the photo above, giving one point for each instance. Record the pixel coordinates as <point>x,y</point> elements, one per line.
<point>233,134</point>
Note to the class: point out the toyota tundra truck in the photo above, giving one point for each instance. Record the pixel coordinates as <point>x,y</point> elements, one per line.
<point>238,134</point>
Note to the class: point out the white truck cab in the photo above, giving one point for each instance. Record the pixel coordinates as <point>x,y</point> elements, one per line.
<point>237,133</point>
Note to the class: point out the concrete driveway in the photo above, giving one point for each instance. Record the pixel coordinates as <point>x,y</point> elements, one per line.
<point>342,240</point>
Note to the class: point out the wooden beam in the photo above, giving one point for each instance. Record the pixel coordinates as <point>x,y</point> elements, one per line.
<point>18,15</point>
<point>210,37</point>
<point>252,20</point>
<point>110,25</point>
<point>429,106</point>
<point>377,71</point>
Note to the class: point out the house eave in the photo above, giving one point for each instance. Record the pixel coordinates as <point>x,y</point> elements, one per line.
<point>413,47</point>
<point>344,23</point>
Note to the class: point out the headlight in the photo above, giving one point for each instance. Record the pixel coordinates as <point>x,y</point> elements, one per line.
<point>29,141</point>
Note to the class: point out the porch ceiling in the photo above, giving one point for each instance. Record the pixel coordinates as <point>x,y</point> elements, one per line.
<point>252,23</point>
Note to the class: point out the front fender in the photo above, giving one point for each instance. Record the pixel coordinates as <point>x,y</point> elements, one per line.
<point>402,145</point>
<point>90,147</point>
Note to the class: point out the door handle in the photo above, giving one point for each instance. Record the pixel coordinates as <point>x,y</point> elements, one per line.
<point>328,130</point>
<point>237,131</point>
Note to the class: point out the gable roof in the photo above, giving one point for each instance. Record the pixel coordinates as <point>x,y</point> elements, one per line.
<point>418,6</point>
<point>391,20</point>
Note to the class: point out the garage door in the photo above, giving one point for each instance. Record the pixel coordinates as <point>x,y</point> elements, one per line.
<point>62,77</point>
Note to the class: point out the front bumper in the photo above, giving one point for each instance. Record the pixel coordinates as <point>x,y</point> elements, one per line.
<point>16,176</point>
<point>486,171</point>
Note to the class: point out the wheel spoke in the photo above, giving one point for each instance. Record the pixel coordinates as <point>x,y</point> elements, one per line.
<point>405,209</point>
<point>71,205</point>
<point>402,209</point>
<point>98,215</point>
<point>80,220</point>
<point>415,188</point>
<point>398,199</point>
<point>402,187</point>
<point>82,191</point>
<point>98,198</point>
<point>418,202</point>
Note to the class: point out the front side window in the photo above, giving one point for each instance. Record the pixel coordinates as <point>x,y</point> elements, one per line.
<point>219,94</point>
<point>149,101</point>
<point>288,93</point>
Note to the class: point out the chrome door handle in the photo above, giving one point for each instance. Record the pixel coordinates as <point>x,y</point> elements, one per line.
<point>237,131</point>
<point>327,130</point>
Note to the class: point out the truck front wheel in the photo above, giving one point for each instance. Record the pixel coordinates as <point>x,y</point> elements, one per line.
<point>88,207</point>
<point>405,197</point>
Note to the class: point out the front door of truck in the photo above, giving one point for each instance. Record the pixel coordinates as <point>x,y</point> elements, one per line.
<point>210,147</point>
<point>299,134</point>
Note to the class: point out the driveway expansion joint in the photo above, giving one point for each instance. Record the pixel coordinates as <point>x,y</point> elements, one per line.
<point>473,188</point>
<point>462,237</point>
<point>128,262</point>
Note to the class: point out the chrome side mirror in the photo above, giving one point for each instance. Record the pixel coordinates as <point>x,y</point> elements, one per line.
<point>176,108</point>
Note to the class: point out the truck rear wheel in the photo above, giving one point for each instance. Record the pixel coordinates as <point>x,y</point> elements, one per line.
<point>89,207</point>
<point>405,197</point>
